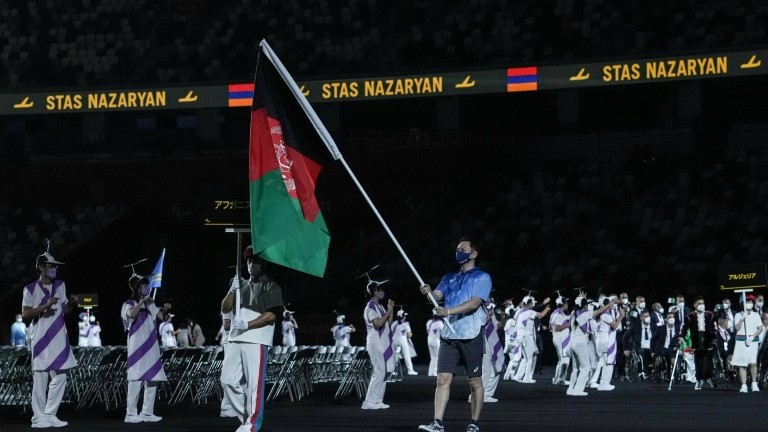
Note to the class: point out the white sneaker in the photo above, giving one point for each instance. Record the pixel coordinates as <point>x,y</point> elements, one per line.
<point>412,373</point>
<point>566,383</point>
<point>697,386</point>
<point>149,418</point>
<point>593,385</point>
<point>755,388</point>
<point>528,381</point>
<point>381,405</point>
<point>41,424</point>
<point>369,406</point>
<point>55,422</point>
<point>743,388</point>
<point>569,391</point>
<point>490,399</point>
<point>132,418</point>
<point>577,393</point>
<point>607,387</point>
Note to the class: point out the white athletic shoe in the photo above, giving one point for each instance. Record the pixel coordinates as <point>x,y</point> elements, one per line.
<point>607,387</point>
<point>755,388</point>
<point>412,373</point>
<point>528,381</point>
<point>577,393</point>
<point>369,406</point>
<point>381,405</point>
<point>55,422</point>
<point>149,418</point>
<point>41,424</point>
<point>743,388</point>
<point>490,399</point>
<point>132,418</point>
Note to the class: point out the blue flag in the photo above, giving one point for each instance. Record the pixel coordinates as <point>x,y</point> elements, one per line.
<point>156,279</point>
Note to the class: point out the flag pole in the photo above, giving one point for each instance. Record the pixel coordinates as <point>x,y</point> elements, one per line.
<point>331,145</point>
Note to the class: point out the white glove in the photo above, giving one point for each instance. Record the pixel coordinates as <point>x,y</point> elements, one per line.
<point>239,324</point>
<point>235,285</point>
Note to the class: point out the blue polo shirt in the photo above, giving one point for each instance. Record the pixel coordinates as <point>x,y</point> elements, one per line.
<point>458,288</point>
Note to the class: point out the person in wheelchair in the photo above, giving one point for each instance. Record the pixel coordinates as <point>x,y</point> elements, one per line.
<point>663,342</point>
<point>725,342</point>
<point>639,340</point>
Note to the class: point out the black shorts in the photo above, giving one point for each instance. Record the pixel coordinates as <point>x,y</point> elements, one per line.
<point>467,352</point>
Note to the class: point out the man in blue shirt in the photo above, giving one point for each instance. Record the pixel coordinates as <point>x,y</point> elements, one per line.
<point>18,332</point>
<point>463,293</point>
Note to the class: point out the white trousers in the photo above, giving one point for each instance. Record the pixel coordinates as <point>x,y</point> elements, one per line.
<point>405,351</point>
<point>490,377</point>
<point>378,384</point>
<point>245,361</point>
<point>46,397</point>
<point>433,343</point>
<point>580,353</point>
<point>132,401</point>
<point>233,400</point>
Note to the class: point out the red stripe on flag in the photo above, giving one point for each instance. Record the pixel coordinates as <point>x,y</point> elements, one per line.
<point>268,152</point>
<point>241,87</point>
<point>533,70</point>
<point>261,151</point>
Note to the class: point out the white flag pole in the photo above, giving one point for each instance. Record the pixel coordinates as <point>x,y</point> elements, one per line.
<point>331,145</point>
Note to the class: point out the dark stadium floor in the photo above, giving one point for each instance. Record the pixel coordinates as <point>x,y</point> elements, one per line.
<point>531,407</point>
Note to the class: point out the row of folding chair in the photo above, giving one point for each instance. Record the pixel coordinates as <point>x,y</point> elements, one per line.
<point>331,362</point>
<point>15,377</point>
<point>291,374</point>
<point>105,384</point>
<point>356,376</point>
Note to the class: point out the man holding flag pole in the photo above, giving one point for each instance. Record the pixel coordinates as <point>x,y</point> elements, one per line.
<point>288,145</point>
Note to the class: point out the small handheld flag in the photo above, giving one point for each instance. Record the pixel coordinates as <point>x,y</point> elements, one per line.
<point>156,279</point>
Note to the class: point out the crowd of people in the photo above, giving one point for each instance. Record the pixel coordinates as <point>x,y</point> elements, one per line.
<point>594,338</point>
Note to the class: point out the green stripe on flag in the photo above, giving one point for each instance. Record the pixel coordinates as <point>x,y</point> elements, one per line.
<point>279,232</point>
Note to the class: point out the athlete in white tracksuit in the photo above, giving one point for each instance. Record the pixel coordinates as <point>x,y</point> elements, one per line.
<point>511,349</point>
<point>526,338</point>
<point>580,344</point>
<point>560,324</point>
<point>608,322</point>
<point>341,332</point>
<point>401,338</point>
<point>379,346</point>
<point>434,328</point>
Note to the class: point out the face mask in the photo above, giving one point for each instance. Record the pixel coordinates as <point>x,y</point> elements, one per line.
<point>51,273</point>
<point>700,307</point>
<point>759,304</point>
<point>660,310</point>
<point>18,319</point>
<point>647,320</point>
<point>254,269</point>
<point>462,257</point>
<point>625,301</point>
<point>749,306</point>
<point>144,290</point>
<point>671,321</point>
<point>726,306</point>
<point>641,305</point>
<point>681,305</point>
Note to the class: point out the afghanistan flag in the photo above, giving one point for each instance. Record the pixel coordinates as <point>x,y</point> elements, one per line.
<point>286,155</point>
